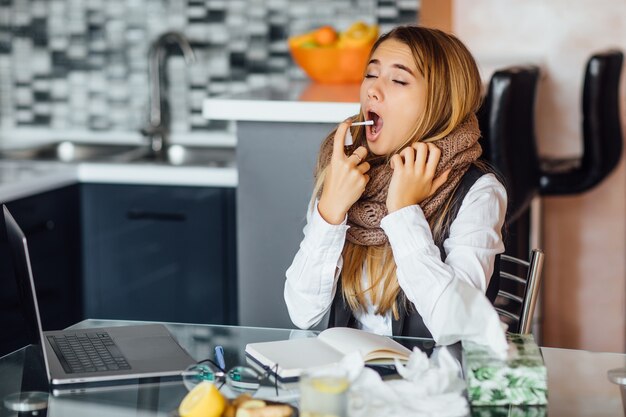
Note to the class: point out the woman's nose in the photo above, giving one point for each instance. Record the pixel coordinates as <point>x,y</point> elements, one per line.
<point>374,92</point>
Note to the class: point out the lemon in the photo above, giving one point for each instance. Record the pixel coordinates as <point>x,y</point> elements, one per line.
<point>330,385</point>
<point>357,27</point>
<point>205,400</point>
<point>358,35</point>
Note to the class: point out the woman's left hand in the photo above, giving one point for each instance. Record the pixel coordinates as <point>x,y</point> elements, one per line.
<point>413,179</point>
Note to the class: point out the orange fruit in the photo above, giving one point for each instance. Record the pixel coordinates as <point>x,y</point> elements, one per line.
<point>325,36</point>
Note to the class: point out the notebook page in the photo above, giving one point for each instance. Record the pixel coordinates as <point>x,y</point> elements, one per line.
<point>292,356</point>
<point>347,340</point>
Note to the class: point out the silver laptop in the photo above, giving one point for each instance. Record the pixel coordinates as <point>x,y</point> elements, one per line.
<point>95,354</point>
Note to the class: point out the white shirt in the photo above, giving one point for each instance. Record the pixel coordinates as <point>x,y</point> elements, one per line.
<point>431,284</point>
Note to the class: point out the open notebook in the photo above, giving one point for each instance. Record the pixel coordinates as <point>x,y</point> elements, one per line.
<point>288,358</point>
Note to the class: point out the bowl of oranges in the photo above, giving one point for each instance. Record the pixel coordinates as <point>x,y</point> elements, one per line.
<point>329,56</point>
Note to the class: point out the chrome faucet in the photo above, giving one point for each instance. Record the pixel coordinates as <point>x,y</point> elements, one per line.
<point>158,129</point>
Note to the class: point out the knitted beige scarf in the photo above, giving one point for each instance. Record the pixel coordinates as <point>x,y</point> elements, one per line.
<point>458,150</point>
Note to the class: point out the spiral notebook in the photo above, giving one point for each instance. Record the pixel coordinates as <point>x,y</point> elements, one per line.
<point>288,358</point>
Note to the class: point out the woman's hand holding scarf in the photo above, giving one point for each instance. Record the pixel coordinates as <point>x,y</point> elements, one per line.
<point>413,179</point>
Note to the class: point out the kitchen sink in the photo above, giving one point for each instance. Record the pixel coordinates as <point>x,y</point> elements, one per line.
<point>68,151</point>
<point>190,156</point>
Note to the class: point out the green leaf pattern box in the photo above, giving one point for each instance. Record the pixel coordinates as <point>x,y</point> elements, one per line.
<point>520,379</point>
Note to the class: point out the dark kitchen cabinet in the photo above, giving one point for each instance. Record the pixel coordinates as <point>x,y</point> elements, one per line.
<point>162,253</point>
<point>51,223</point>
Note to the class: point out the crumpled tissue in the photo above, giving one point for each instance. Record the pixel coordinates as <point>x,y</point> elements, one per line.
<point>463,313</point>
<point>429,387</point>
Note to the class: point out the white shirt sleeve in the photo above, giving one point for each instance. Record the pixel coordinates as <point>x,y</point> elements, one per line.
<point>312,277</point>
<point>431,284</point>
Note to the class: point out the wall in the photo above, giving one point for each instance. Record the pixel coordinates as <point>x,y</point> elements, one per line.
<point>68,65</point>
<point>436,14</point>
<point>584,236</point>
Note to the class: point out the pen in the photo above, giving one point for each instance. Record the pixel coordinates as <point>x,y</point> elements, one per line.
<point>219,356</point>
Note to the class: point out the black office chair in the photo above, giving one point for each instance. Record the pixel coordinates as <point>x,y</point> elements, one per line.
<point>519,288</point>
<point>602,134</point>
<point>507,125</point>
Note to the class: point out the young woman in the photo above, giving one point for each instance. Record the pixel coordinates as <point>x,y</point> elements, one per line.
<point>404,230</point>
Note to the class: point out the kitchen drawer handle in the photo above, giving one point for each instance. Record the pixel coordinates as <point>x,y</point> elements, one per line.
<point>155,215</point>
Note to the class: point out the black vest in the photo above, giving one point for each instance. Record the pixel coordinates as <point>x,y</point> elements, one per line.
<point>410,322</point>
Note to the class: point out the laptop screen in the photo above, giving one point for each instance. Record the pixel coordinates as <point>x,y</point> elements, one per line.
<point>24,278</point>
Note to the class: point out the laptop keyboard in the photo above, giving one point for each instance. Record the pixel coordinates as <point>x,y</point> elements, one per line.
<point>88,352</point>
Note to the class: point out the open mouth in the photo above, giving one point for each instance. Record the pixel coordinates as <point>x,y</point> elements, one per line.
<point>374,130</point>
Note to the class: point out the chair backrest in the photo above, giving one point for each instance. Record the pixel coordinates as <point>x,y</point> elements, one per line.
<point>602,133</point>
<point>519,287</point>
<point>507,125</point>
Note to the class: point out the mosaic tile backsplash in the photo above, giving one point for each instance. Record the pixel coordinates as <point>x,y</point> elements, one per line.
<point>82,65</point>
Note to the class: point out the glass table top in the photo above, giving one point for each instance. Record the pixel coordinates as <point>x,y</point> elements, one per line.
<point>578,384</point>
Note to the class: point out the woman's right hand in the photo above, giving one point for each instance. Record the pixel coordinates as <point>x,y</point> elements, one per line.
<point>345,180</point>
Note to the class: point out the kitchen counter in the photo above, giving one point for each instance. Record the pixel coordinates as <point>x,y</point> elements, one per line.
<point>291,102</point>
<point>155,174</point>
<point>29,136</point>
<point>20,179</point>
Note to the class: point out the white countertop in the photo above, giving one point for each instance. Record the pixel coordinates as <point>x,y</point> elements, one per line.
<point>34,136</point>
<point>131,173</point>
<point>305,102</point>
<point>20,179</point>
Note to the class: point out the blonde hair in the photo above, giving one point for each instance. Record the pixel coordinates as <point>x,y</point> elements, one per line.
<point>453,93</point>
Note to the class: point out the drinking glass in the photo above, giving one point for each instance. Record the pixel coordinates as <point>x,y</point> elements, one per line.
<point>324,392</point>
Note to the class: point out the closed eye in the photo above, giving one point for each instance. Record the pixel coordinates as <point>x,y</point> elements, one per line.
<point>370,76</point>
<point>400,82</point>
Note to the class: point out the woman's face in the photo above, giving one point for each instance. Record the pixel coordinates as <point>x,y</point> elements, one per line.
<point>393,94</point>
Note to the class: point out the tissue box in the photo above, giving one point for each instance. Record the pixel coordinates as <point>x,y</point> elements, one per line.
<point>511,411</point>
<point>520,379</point>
